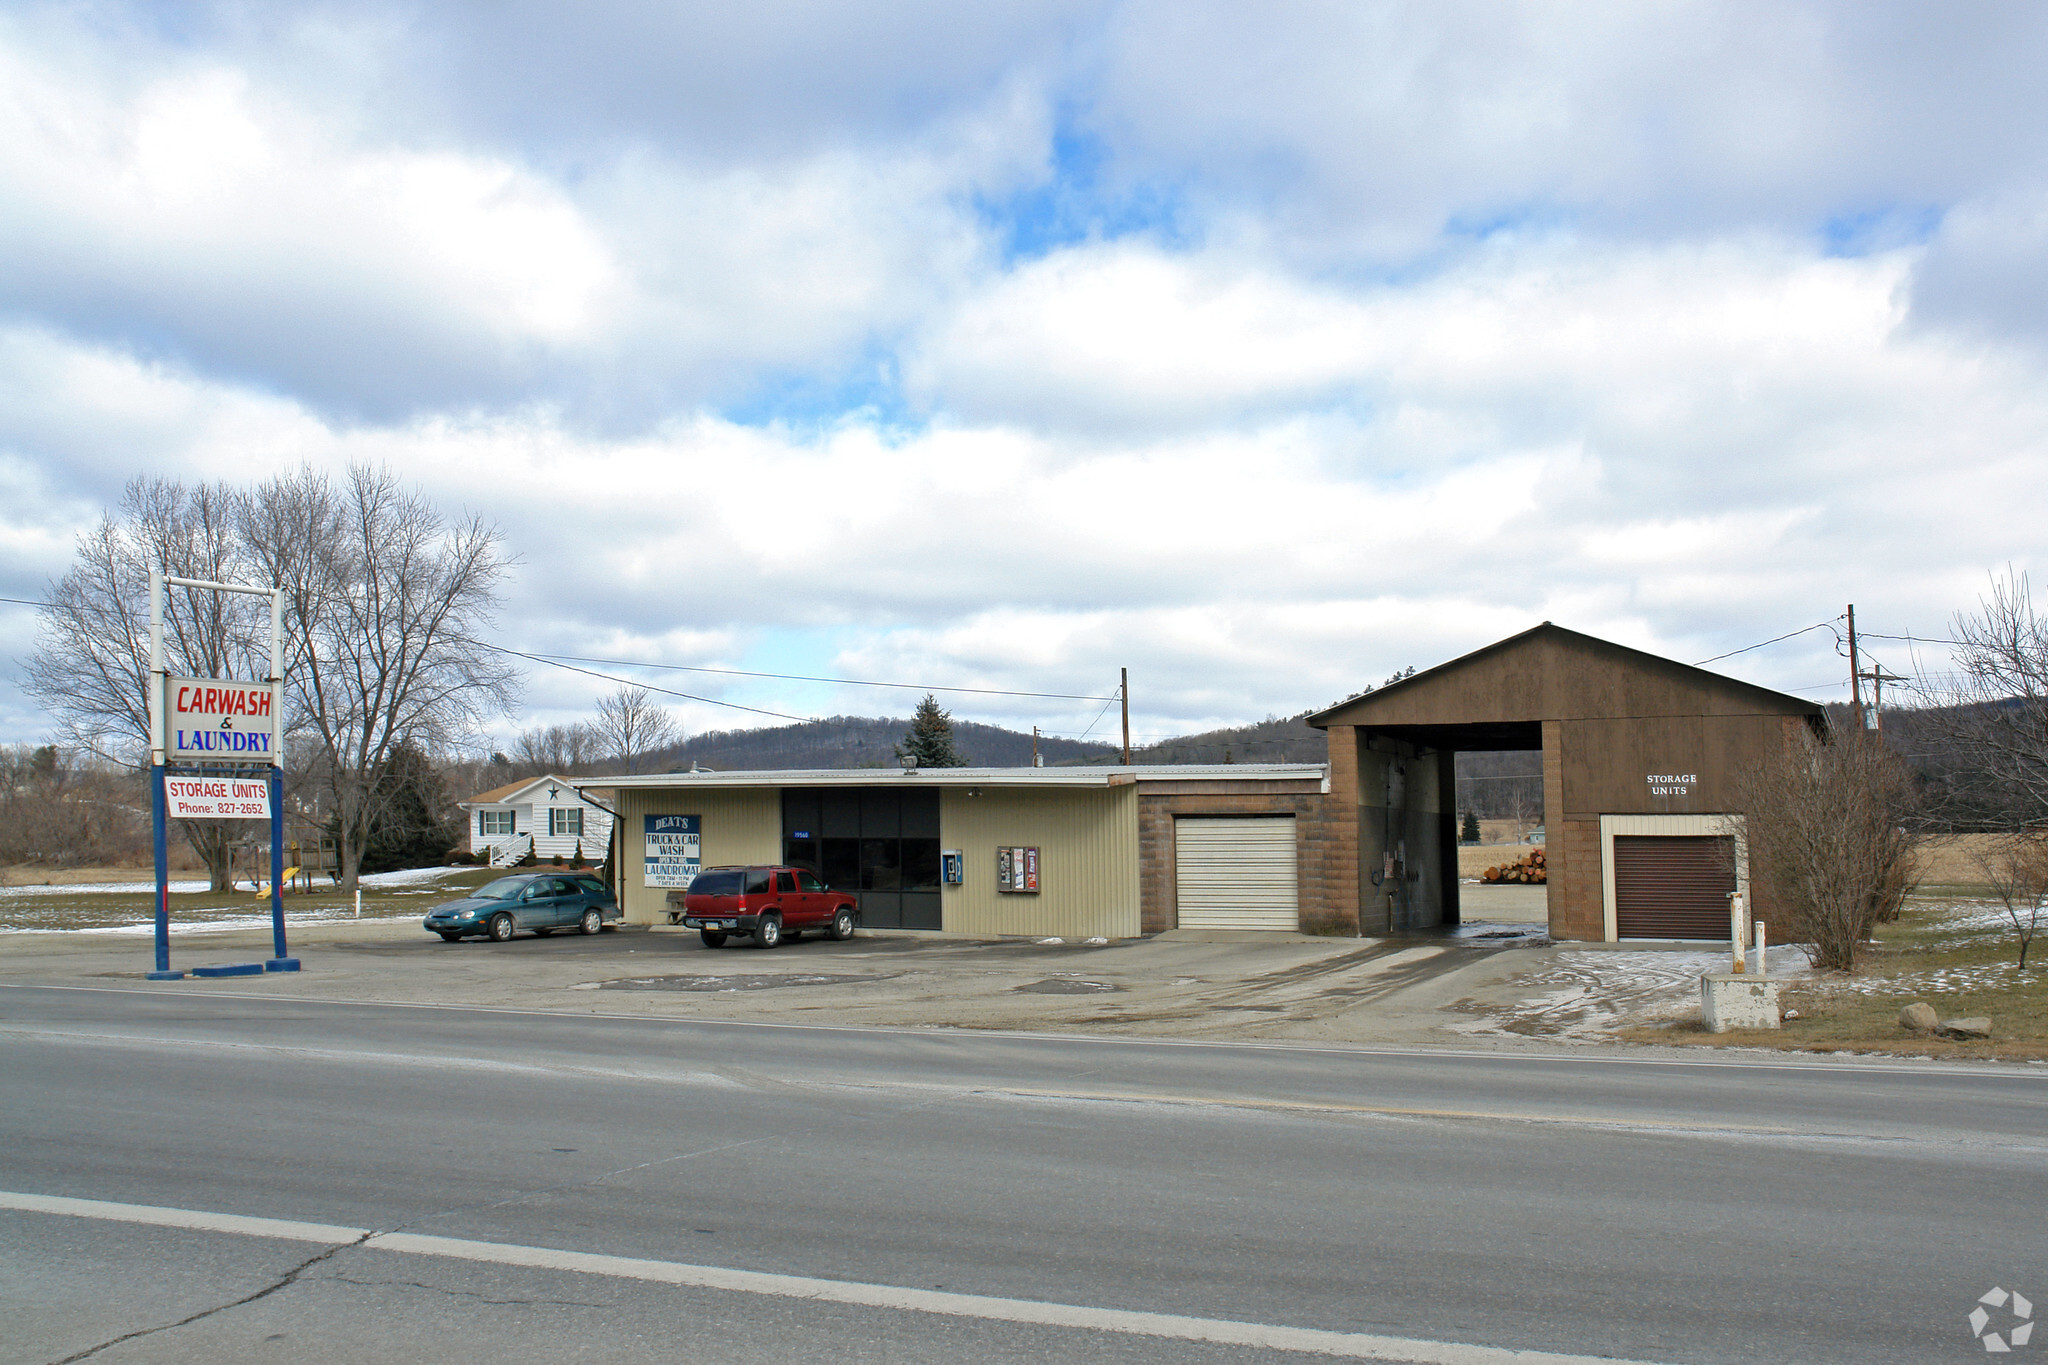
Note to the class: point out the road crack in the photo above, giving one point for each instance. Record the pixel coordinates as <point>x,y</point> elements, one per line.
<point>465,1293</point>
<point>284,1281</point>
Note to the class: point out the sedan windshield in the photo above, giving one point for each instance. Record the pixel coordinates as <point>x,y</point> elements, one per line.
<point>503,889</point>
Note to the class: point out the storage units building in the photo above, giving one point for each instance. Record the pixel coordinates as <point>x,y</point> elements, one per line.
<point>1641,761</point>
<point>1072,852</point>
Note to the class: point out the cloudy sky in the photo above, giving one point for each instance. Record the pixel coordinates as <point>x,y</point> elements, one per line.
<point>1260,349</point>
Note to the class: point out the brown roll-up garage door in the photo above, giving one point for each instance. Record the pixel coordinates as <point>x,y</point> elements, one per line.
<point>1672,885</point>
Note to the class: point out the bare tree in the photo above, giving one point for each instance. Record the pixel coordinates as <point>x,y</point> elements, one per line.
<point>384,601</point>
<point>1993,714</point>
<point>1826,842</point>
<point>565,749</point>
<point>90,668</point>
<point>2015,867</point>
<point>630,726</point>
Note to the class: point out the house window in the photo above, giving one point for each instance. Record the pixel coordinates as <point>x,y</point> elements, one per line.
<point>565,820</point>
<point>494,822</point>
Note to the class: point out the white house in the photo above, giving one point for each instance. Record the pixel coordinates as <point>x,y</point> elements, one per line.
<point>542,814</point>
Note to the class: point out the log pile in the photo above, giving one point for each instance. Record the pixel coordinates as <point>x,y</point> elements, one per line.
<point>1529,870</point>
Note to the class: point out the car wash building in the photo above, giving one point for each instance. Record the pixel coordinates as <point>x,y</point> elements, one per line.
<point>1641,759</point>
<point>1640,763</point>
<point>1068,852</point>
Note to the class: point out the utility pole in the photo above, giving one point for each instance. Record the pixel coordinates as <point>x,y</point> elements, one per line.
<point>1855,672</point>
<point>1878,678</point>
<point>1123,692</point>
<point>1036,761</point>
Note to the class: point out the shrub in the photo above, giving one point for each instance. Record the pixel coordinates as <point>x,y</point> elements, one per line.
<point>1826,842</point>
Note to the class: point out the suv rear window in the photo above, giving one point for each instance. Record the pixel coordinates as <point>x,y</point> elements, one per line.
<point>723,881</point>
<point>757,883</point>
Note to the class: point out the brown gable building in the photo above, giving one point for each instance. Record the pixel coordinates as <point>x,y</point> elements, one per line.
<point>1640,757</point>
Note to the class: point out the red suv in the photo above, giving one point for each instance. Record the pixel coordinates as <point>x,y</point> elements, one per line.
<point>771,903</point>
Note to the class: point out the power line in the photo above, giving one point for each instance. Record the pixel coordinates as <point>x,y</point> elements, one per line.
<point>1819,625</point>
<point>665,691</point>
<point>843,682</point>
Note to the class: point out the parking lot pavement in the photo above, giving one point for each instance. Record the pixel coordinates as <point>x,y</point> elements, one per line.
<point>1277,986</point>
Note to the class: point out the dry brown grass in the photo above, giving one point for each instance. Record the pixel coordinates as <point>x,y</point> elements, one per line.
<point>1962,971</point>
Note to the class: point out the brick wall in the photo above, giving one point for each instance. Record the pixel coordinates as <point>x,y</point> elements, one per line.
<point>1157,910</point>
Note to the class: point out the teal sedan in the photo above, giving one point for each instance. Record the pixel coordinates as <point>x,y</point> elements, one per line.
<point>539,902</point>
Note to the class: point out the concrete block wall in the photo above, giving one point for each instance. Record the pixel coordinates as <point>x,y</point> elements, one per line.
<point>1329,847</point>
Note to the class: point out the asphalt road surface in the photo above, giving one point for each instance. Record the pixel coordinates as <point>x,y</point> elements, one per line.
<point>188,1175</point>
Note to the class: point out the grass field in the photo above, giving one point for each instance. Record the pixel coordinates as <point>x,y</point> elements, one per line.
<point>128,905</point>
<point>1959,955</point>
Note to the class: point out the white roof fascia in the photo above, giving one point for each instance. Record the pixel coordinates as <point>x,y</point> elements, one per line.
<point>969,777</point>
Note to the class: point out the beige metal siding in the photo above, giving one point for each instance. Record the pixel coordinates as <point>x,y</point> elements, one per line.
<point>1088,860</point>
<point>740,825</point>
<point>1236,874</point>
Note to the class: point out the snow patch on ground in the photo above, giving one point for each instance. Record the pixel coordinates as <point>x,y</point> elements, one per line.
<point>1587,995</point>
<point>408,877</point>
<point>98,888</point>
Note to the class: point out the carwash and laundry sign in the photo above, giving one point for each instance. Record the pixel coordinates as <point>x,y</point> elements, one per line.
<point>211,720</point>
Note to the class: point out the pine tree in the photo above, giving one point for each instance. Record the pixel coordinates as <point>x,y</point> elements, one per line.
<point>1470,833</point>
<point>929,743</point>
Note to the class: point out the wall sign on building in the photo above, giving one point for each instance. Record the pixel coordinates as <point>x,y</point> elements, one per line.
<point>674,850</point>
<point>1672,784</point>
<point>217,798</point>
<point>1017,871</point>
<point>211,720</point>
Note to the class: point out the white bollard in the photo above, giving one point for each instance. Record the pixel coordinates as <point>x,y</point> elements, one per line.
<point>359,902</point>
<point>1761,969</point>
<point>1735,934</point>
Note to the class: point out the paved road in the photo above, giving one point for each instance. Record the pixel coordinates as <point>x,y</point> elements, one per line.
<point>953,1196</point>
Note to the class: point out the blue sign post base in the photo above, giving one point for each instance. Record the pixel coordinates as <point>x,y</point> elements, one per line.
<point>281,964</point>
<point>165,976</point>
<point>231,969</point>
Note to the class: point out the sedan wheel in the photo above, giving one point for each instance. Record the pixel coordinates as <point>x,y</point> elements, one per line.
<point>591,922</point>
<point>447,937</point>
<point>768,933</point>
<point>842,924</point>
<point>501,926</point>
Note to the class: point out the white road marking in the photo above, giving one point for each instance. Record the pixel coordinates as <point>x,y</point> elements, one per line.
<point>1218,1331</point>
<point>156,1216</point>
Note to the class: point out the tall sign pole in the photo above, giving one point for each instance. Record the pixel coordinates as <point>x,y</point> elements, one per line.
<point>157,822</point>
<point>281,956</point>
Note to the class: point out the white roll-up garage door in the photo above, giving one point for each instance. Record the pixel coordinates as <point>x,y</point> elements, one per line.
<point>1235,874</point>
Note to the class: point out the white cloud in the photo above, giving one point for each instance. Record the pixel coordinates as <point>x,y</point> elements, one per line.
<point>1334,340</point>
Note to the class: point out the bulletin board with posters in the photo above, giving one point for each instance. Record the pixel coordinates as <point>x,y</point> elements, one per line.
<point>1017,871</point>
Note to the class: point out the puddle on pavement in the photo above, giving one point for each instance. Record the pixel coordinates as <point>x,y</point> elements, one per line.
<point>1066,985</point>
<point>763,981</point>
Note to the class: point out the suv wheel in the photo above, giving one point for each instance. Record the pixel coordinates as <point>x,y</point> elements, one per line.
<point>591,922</point>
<point>768,932</point>
<point>712,938</point>
<point>842,923</point>
<point>501,926</point>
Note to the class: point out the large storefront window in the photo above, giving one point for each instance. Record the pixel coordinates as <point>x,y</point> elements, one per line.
<point>880,842</point>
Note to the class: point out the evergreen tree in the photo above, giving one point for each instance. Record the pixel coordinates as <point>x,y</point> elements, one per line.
<point>1470,833</point>
<point>929,744</point>
<point>416,825</point>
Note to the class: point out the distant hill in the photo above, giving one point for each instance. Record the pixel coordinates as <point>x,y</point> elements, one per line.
<point>864,742</point>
